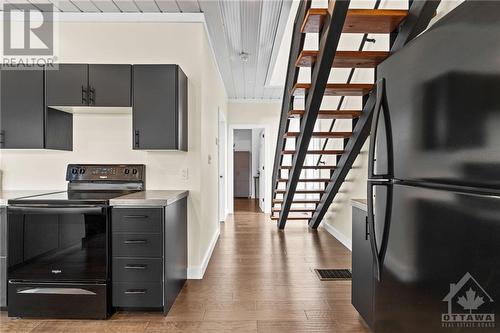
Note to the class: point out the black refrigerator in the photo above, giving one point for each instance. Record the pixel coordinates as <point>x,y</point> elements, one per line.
<point>434,178</point>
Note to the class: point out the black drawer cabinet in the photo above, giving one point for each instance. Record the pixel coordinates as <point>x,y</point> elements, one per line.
<point>149,255</point>
<point>25,121</point>
<point>138,294</point>
<point>137,220</point>
<point>159,114</point>
<point>362,266</point>
<point>137,269</point>
<point>138,245</point>
<point>76,85</point>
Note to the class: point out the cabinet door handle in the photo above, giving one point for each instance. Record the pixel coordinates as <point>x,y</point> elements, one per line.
<point>135,241</point>
<point>84,94</point>
<point>136,140</point>
<point>136,266</point>
<point>135,291</point>
<point>135,217</point>
<point>2,139</point>
<point>92,96</point>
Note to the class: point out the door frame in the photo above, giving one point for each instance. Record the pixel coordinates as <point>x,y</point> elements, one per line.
<point>230,166</point>
<point>222,211</point>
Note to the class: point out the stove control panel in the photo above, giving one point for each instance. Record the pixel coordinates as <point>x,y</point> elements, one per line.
<point>105,172</point>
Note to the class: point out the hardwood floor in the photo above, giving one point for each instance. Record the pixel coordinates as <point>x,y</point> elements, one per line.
<point>258,280</point>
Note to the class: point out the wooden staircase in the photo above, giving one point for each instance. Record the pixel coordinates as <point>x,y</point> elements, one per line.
<point>304,184</point>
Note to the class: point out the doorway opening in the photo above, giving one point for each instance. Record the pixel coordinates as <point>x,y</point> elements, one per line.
<point>248,170</point>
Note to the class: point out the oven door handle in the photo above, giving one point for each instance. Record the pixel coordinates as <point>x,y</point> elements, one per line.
<point>55,210</point>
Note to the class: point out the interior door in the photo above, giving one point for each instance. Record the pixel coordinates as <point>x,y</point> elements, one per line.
<point>436,239</point>
<point>242,162</point>
<point>110,85</point>
<point>67,85</point>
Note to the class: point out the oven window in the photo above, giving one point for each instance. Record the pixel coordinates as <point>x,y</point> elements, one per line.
<point>53,246</point>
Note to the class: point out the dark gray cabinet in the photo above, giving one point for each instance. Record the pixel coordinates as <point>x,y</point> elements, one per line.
<point>159,107</point>
<point>75,85</point>
<point>3,257</point>
<point>110,85</point>
<point>149,255</point>
<point>362,266</point>
<point>25,121</point>
<point>67,85</point>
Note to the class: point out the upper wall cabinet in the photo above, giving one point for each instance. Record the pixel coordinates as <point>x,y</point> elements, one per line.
<point>25,122</point>
<point>110,85</point>
<point>67,85</point>
<point>89,85</point>
<point>159,107</point>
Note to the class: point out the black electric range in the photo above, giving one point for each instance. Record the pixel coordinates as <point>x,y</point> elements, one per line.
<point>59,244</point>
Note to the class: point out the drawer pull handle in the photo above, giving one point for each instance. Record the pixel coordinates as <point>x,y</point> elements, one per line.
<point>135,241</point>
<point>136,266</point>
<point>135,216</point>
<point>136,291</point>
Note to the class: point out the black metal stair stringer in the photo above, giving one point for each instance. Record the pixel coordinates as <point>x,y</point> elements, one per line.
<point>360,134</point>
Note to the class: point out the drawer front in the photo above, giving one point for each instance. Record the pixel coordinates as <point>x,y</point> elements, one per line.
<point>136,269</point>
<point>137,245</point>
<point>137,220</point>
<point>138,294</point>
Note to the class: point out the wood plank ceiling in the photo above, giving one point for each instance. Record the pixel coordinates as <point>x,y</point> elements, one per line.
<point>245,35</point>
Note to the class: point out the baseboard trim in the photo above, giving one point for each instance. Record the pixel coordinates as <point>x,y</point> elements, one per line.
<point>338,235</point>
<point>197,272</point>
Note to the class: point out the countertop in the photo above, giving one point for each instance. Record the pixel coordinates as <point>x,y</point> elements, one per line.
<point>149,198</point>
<point>359,203</point>
<point>6,195</point>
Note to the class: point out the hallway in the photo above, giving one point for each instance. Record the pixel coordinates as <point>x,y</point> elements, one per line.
<point>258,280</point>
<point>262,280</point>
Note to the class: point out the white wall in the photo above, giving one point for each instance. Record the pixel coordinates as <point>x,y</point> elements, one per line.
<point>107,138</point>
<point>254,114</point>
<point>242,140</point>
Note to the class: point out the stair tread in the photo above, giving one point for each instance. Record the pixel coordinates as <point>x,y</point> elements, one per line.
<point>328,114</point>
<point>336,89</point>
<point>316,152</point>
<point>310,180</point>
<point>296,210</point>
<point>292,218</point>
<point>334,134</point>
<point>357,20</point>
<point>297,201</point>
<point>345,59</point>
<point>309,167</point>
<point>280,191</point>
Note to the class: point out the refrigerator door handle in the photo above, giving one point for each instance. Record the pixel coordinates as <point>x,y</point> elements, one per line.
<point>379,254</point>
<point>381,105</point>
